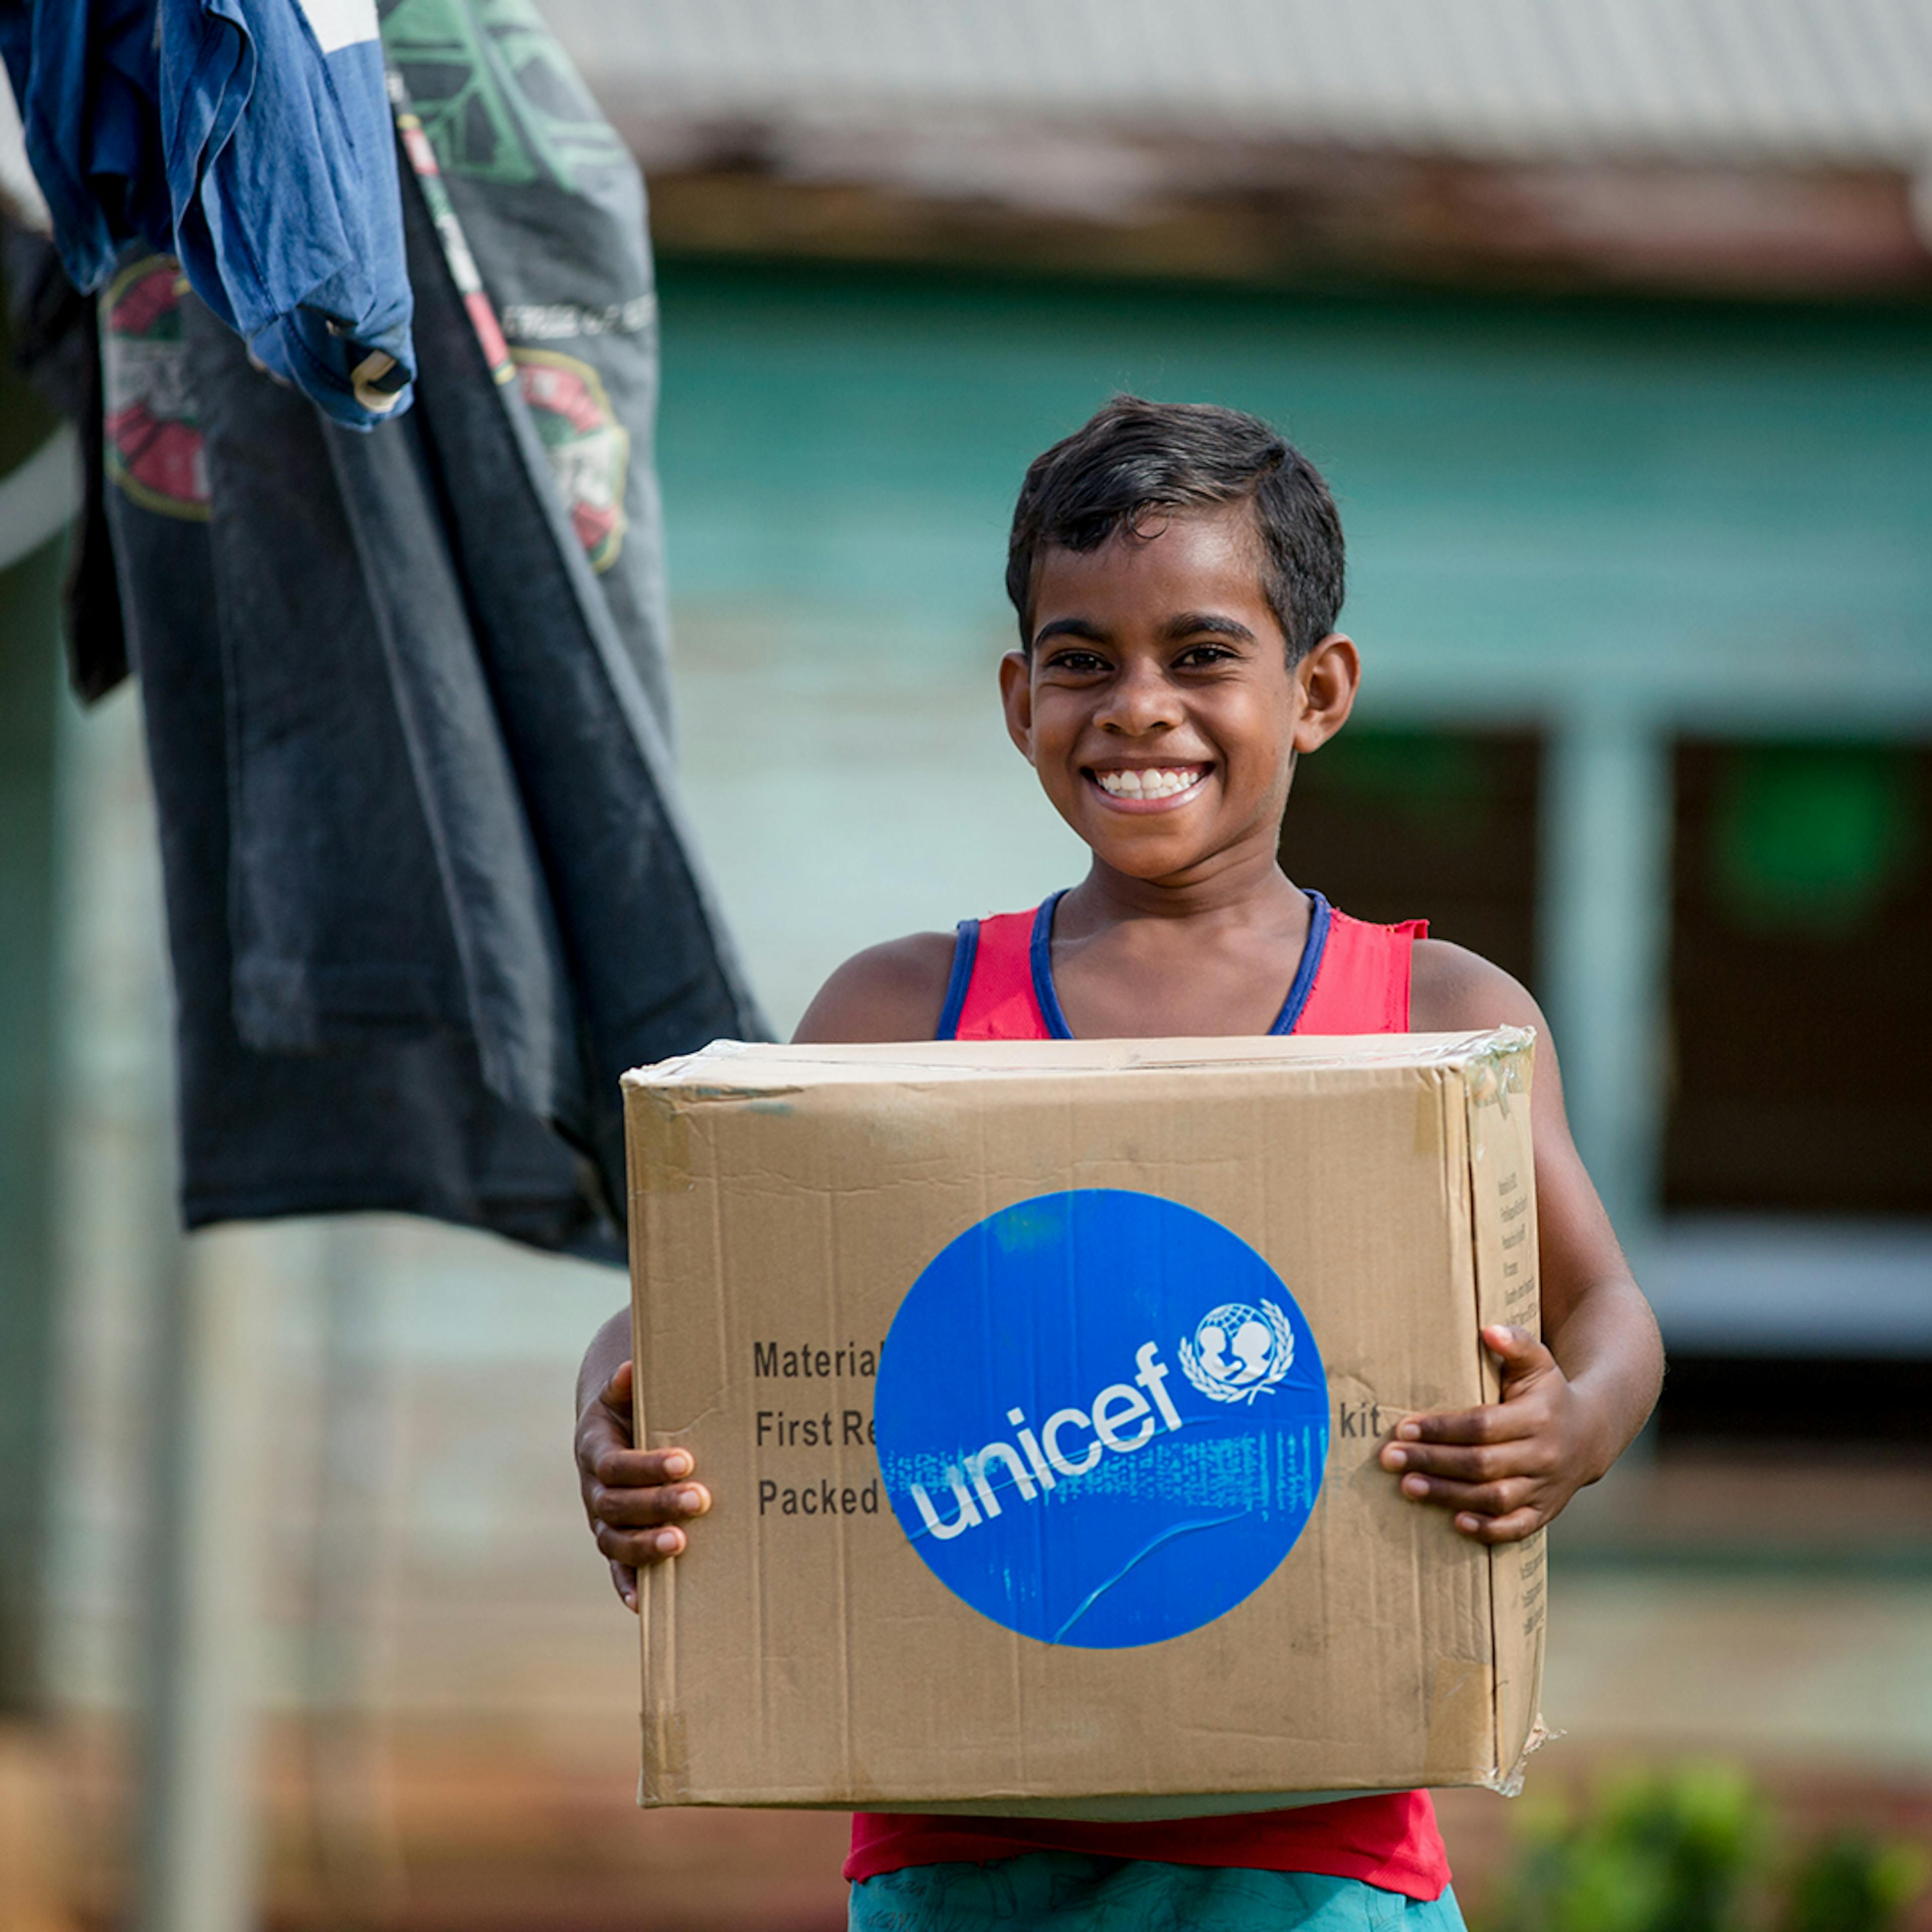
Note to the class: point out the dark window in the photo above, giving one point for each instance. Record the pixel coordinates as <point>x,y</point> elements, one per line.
<point>1801,961</point>
<point>1763,1399</point>
<point>1434,825</point>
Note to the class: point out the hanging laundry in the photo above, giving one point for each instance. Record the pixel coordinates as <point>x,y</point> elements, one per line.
<point>54,336</point>
<point>429,890</point>
<point>254,143</point>
<point>551,206</point>
<point>86,79</point>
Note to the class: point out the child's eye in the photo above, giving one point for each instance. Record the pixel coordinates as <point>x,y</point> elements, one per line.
<point>1084,663</point>
<point>1198,657</point>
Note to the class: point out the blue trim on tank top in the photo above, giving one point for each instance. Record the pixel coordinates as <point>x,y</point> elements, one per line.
<point>965,950</point>
<point>1042,951</point>
<point>1313,948</point>
<point>1319,917</point>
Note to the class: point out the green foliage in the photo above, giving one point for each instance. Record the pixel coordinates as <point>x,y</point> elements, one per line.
<point>1693,1849</point>
<point>1851,1883</point>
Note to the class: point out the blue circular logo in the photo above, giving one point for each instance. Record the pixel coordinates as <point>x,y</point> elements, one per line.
<point>1102,1419</point>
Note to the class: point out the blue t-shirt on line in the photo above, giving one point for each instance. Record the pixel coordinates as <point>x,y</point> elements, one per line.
<point>252,139</point>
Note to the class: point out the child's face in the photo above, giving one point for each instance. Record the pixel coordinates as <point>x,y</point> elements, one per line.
<point>1158,706</point>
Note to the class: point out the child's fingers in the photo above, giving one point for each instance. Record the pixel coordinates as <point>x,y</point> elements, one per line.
<point>1524,1358</point>
<point>1516,1346</point>
<point>601,1433</point>
<point>625,1579</point>
<point>636,1498</point>
<point>1486,1499</point>
<point>1506,1339</point>
<point>1494,1422</point>
<point>1512,1527</point>
<point>640,1548</point>
<point>616,1466</point>
<point>632,1509</point>
<point>1481,1462</point>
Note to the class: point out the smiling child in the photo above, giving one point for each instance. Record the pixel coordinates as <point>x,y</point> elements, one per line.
<point>1177,571</point>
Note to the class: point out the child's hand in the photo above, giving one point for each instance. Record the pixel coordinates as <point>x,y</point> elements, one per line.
<point>634,1497</point>
<point>1509,1467</point>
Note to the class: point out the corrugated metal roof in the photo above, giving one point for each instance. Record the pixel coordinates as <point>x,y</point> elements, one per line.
<point>1807,81</point>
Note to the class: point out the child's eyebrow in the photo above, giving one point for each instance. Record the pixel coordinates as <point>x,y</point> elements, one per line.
<point>1189,624</point>
<point>1071,627</point>
<point>1193,623</point>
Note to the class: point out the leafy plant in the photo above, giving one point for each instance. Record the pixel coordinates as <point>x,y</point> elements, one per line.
<point>1693,1850</point>
<point>1850,1882</point>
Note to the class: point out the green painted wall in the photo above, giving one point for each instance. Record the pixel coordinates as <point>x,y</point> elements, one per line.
<point>1564,484</point>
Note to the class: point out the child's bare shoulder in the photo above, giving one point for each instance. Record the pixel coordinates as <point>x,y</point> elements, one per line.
<point>1451,989</point>
<point>893,992</point>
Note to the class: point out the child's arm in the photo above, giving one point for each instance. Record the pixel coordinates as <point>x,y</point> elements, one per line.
<point>638,1500</point>
<point>1572,1401</point>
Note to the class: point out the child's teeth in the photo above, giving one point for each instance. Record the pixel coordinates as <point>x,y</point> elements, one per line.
<point>1146,783</point>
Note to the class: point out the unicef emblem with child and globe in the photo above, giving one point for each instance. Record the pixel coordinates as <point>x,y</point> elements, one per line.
<point>1239,1352</point>
<point>1073,1447</point>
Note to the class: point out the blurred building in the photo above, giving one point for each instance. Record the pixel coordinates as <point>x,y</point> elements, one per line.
<point>1609,325</point>
<point>1705,146</point>
<point>1612,327</point>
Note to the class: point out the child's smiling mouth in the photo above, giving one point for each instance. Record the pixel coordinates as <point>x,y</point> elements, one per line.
<point>1146,787</point>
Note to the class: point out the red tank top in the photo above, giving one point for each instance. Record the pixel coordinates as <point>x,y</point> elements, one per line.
<point>1353,978</point>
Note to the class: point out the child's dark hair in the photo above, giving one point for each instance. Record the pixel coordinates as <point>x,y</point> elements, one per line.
<point>1136,457</point>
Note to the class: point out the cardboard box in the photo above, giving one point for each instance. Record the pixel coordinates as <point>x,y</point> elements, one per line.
<point>1039,1388</point>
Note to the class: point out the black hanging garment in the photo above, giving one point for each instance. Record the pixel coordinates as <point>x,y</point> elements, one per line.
<point>429,891</point>
<point>56,340</point>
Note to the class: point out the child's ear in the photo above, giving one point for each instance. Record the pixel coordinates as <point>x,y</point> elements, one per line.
<point>1016,697</point>
<point>1328,678</point>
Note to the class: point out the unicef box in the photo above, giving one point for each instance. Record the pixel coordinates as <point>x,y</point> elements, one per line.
<point>1040,1387</point>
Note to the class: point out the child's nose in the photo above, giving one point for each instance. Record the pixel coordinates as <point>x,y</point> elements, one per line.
<point>1140,699</point>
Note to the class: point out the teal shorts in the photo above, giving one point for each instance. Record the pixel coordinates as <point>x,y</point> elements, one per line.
<point>1071,1892</point>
